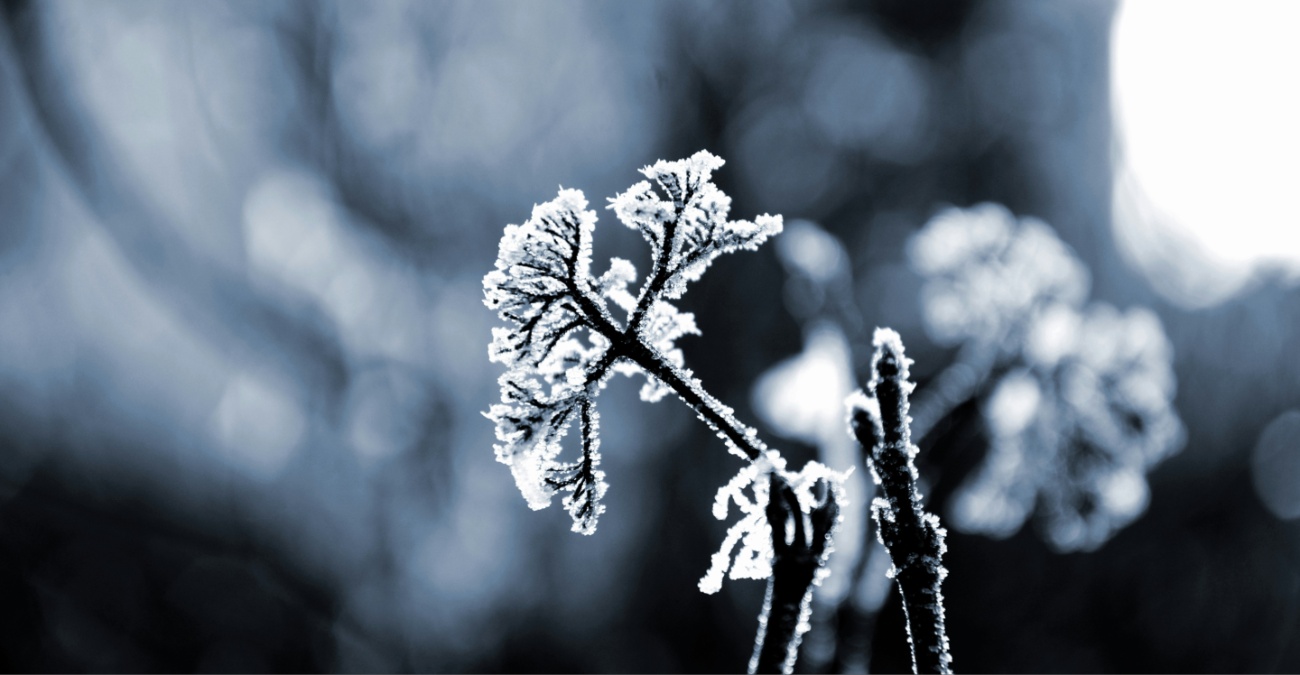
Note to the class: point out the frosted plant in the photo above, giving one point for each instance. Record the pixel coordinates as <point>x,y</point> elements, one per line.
<point>1077,399</point>
<point>801,399</point>
<point>569,331</point>
<point>914,539</point>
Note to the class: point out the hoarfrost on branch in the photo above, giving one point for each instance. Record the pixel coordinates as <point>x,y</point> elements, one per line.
<point>878,417</point>
<point>569,331</point>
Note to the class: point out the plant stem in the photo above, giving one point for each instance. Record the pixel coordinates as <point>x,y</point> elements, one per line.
<point>710,409</point>
<point>788,604</point>
<point>913,538</point>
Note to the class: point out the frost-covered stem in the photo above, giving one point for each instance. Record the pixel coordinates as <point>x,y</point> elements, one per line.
<point>795,563</point>
<point>627,344</point>
<point>661,270</point>
<point>710,409</point>
<point>914,539</point>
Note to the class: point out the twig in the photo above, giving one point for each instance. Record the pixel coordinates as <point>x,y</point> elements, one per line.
<point>795,565</point>
<point>914,538</point>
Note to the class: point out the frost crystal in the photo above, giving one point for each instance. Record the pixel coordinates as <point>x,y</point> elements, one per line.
<point>1081,407</point>
<point>754,560</point>
<point>567,331</point>
<point>752,532</point>
<point>564,341</point>
<point>687,224</point>
<point>663,325</point>
<point>542,284</point>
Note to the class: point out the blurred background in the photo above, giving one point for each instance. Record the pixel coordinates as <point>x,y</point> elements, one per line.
<point>243,351</point>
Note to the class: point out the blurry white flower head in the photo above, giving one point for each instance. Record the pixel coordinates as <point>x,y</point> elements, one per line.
<point>1075,440</point>
<point>1082,408</point>
<point>988,273</point>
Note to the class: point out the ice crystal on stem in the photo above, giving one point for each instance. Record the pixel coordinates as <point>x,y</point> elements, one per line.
<point>752,531</point>
<point>913,538</point>
<point>803,512</point>
<point>564,339</point>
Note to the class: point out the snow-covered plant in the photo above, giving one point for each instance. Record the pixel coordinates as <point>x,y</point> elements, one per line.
<point>914,539</point>
<point>569,331</point>
<point>1077,398</point>
<point>800,547</point>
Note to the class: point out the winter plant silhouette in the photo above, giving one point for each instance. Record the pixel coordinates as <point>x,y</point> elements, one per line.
<point>565,340</point>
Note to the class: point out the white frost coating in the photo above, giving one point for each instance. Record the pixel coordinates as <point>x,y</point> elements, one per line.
<point>613,284</point>
<point>541,270</point>
<point>752,531</point>
<point>563,339</point>
<point>662,326</point>
<point>888,339</point>
<point>695,211</point>
<point>586,501</point>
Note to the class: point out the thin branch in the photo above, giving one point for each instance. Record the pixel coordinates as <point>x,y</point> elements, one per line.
<point>660,274</point>
<point>714,412</point>
<point>628,344</point>
<point>914,538</point>
<point>795,563</point>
